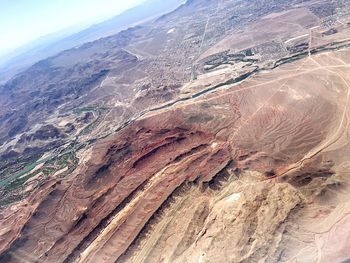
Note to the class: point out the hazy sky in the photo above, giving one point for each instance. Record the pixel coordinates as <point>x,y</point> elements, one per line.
<point>24,20</point>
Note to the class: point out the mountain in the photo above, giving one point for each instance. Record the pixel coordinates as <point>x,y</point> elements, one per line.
<point>25,56</point>
<point>217,132</point>
<point>54,43</point>
<point>148,10</point>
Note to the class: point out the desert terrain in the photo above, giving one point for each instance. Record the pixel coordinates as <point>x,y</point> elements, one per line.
<point>216,133</point>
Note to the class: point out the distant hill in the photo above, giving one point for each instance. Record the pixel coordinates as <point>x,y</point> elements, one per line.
<point>52,44</point>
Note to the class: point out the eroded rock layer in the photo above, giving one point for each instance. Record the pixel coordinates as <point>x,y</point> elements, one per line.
<point>255,171</point>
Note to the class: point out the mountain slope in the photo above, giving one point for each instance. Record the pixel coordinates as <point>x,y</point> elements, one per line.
<point>50,45</point>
